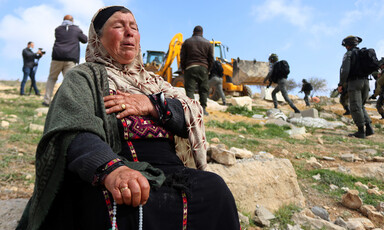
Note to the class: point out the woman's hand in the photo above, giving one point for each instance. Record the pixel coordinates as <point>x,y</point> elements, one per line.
<point>127,186</point>
<point>129,104</point>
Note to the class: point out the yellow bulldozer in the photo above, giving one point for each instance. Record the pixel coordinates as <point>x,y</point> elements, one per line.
<point>237,73</point>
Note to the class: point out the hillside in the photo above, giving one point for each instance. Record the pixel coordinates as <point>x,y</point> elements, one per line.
<point>21,130</point>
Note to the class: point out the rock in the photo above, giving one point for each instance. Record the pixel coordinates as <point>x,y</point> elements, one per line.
<point>10,213</point>
<point>296,131</point>
<point>312,162</point>
<point>41,111</point>
<point>348,157</point>
<point>365,209</point>
<point>215,140</point>
<point>263,216</point>
<point>317,177</point>
<point>328,158</point>
<point>369,151</point>
<point>243,219</point>
<point>242,101</point>
<point>4,124</point>
<point>320,140</point>
<point>333,187</point>
<point>320,212</point>
<point>380,207</point>
<point>314,113</point>
<point>241,153</point>
<point>34,127</point>
<point>378,159</point>
<point>376,217</point>
<point>312,223</point>
<point>276,187</point>
<point>352,200</point>
<point>374,191</point>
<point>223,156</point>
<point>339,221</point>
<point>361,185</point>
<point>367,224</point>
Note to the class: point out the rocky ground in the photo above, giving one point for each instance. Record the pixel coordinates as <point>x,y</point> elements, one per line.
<point>14,192</point>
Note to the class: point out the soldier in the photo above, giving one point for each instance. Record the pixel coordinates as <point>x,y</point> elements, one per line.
<point>275,76</point>
<point>379,90</point>
<point>358,87</point>
<point>306,88</point>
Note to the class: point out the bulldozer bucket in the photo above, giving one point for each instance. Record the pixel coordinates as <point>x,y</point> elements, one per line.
<point>250,72</point>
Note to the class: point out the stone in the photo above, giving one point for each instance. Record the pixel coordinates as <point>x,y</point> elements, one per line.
<point>241,153</point>
<point>378,159</point>
<point>215,140</point>
<point>380,207</point>
<point>314,113</point>
<point>369,151</point>
<point>261,211</point>
<point>317,177</point>
<point>242,101</point>
<point>365,209</point>
<point>361,185</point>
<point>374,191</point>
<point>34,127</point>
<point>367,224</point>
<point>355,225</point>
<point>270,182</point>
<point>352,200</point>
<point>4,124</point>
<point>341,222</point>
<point>348,157</point>
<point>223,156</point>
<point>243,219</point>
<point>320,212</point>
<point>313,223</point>
<point>376,217</point>
<point>328,158</point>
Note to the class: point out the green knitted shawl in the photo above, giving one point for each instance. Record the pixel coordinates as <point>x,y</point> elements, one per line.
<point>78,106</point>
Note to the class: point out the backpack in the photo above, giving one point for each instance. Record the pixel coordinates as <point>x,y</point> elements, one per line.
<point>367,62</point>
<point>307,87</point>
<point>280,70</point>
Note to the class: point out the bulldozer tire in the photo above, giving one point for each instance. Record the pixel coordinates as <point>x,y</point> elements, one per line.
<point>246,91</point>
<point>178,82</point>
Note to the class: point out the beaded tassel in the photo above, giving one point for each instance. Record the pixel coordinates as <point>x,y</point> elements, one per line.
<point>114,216</point>
<point>141,217</point>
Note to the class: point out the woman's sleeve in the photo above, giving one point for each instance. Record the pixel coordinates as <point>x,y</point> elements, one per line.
<point>176,124</point>
<point>86,154</point>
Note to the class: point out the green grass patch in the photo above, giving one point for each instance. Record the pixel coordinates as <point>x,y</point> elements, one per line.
<point>283,216</point>
<point>256,130</point>
<point>228,140</point>
<point>339,179</point>
<point>244,111</point>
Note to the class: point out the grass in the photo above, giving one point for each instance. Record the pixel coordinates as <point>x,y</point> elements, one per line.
<point>283,216</point>
<point>267,131</point>
<point>227,139</point>
<point>339,179</point>
<point>243,110</point>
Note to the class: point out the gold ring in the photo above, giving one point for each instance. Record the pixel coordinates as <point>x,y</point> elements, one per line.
<point>123,106</point>
<point>124,188</point>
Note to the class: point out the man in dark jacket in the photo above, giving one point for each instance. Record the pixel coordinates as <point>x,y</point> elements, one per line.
<point>196,57</point>
<point>358,87</point>
<point>29,67</point>
<point>65,53</point>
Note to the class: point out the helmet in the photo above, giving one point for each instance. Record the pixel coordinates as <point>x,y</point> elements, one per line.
<point>304,81</point>
<point>351,41</point>
<point>273,58</point>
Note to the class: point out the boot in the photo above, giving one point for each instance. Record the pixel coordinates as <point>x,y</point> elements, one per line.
<point>359,134</point>
<point>347,111</point>
<point>296,110</point>
<point>205,112</point>
<point>382,116</point>
<point>368,130</point>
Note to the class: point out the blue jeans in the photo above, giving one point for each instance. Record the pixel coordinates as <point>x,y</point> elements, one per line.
<point>31,73</point>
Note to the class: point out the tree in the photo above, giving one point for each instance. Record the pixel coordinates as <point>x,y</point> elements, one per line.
<point>319,85</point>
<point>291,84</point>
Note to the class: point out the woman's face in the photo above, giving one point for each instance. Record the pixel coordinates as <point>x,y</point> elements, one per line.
<point>121,37</point>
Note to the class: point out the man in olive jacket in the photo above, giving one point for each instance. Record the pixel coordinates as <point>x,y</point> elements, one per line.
<point>196,57</point>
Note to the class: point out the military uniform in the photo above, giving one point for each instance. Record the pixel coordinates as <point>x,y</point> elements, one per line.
<point>358,89</point>
<point>380,92</point>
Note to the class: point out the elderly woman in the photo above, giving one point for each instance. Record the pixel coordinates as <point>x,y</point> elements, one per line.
<point>116,144</point>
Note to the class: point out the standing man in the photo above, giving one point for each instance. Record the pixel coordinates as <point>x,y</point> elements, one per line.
<point>358,87</point>
<point>65,53</point>
<point>306,88</point>
<point>279,76</point>
<point>216,81</point>
<point>196,57</point>
<point>29,69</point>
<point>379,91</point>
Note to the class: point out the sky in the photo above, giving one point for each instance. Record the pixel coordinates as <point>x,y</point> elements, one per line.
<point>306,33</point>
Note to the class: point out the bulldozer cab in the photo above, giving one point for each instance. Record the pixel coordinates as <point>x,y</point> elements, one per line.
<point>153,60</point>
